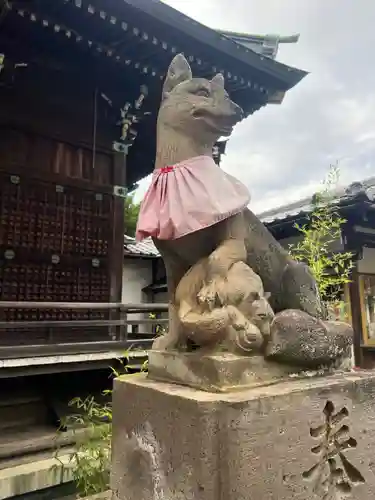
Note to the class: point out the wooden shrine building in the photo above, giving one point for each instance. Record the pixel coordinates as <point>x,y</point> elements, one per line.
<point>356,204</point>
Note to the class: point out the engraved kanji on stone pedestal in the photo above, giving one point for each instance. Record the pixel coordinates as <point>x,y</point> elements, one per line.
<point>333,474</point>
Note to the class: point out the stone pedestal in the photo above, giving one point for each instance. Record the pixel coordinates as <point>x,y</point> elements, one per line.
<point>297,439</point>
<point>222,372</point>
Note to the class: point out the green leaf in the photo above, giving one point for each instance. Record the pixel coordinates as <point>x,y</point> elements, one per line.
<point>131,212</point>
<point>324,228</point>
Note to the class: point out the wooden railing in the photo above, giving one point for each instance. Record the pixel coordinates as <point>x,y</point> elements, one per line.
<point>78,336</point>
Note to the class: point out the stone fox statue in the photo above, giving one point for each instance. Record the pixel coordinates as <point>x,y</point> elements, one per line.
<point>193,115</point>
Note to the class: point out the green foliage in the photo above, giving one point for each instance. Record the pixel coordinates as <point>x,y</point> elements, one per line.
<point>131,211</point>
<point>331,270</point>
<point>90,460</point>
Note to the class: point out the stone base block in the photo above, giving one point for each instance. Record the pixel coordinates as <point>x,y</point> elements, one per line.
<point>298,439</point>
<point>222,372</point>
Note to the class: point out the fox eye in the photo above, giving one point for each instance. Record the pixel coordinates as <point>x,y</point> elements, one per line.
<point>203,92</point>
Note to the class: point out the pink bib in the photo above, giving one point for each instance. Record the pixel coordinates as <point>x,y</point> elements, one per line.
<point>187,197</point>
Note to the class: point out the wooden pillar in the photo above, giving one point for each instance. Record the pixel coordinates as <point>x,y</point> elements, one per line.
<point>368,352</point>
<point>117,248</point>
<point>117,255</point>
<point>350,240</point>
<point>356,314</point>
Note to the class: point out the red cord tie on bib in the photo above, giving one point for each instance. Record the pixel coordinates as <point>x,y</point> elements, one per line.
<point>165,170</point>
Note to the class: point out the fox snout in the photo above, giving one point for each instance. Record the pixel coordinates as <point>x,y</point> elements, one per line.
<point>237,111</point>
<point>230,112</point>
<point>226,114</point>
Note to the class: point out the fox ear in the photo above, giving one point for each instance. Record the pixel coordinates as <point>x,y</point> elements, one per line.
<point>218,80</point>
<point>178,71</point>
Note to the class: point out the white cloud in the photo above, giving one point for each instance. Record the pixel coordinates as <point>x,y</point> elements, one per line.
<point>283,152</point>
<point>142,188</point>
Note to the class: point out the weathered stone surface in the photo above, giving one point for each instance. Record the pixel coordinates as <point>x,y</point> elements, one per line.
<point>177,443</point>
<point>222,372</point>
<point>298,338</point>
<point>107,495</point>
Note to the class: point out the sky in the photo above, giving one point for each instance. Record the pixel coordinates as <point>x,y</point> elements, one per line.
<point>283,152</point>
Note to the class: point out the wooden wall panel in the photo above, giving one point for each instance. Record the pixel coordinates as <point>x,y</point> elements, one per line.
<point>61,228</point>
<point>40,156</point>
<point>54,246</point>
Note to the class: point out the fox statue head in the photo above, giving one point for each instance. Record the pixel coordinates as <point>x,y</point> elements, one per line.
<point>196,108</point>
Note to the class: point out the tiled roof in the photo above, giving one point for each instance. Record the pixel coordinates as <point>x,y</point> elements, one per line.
<point>144,248</point>
<point>265,45</point>
<point>341,196</point>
